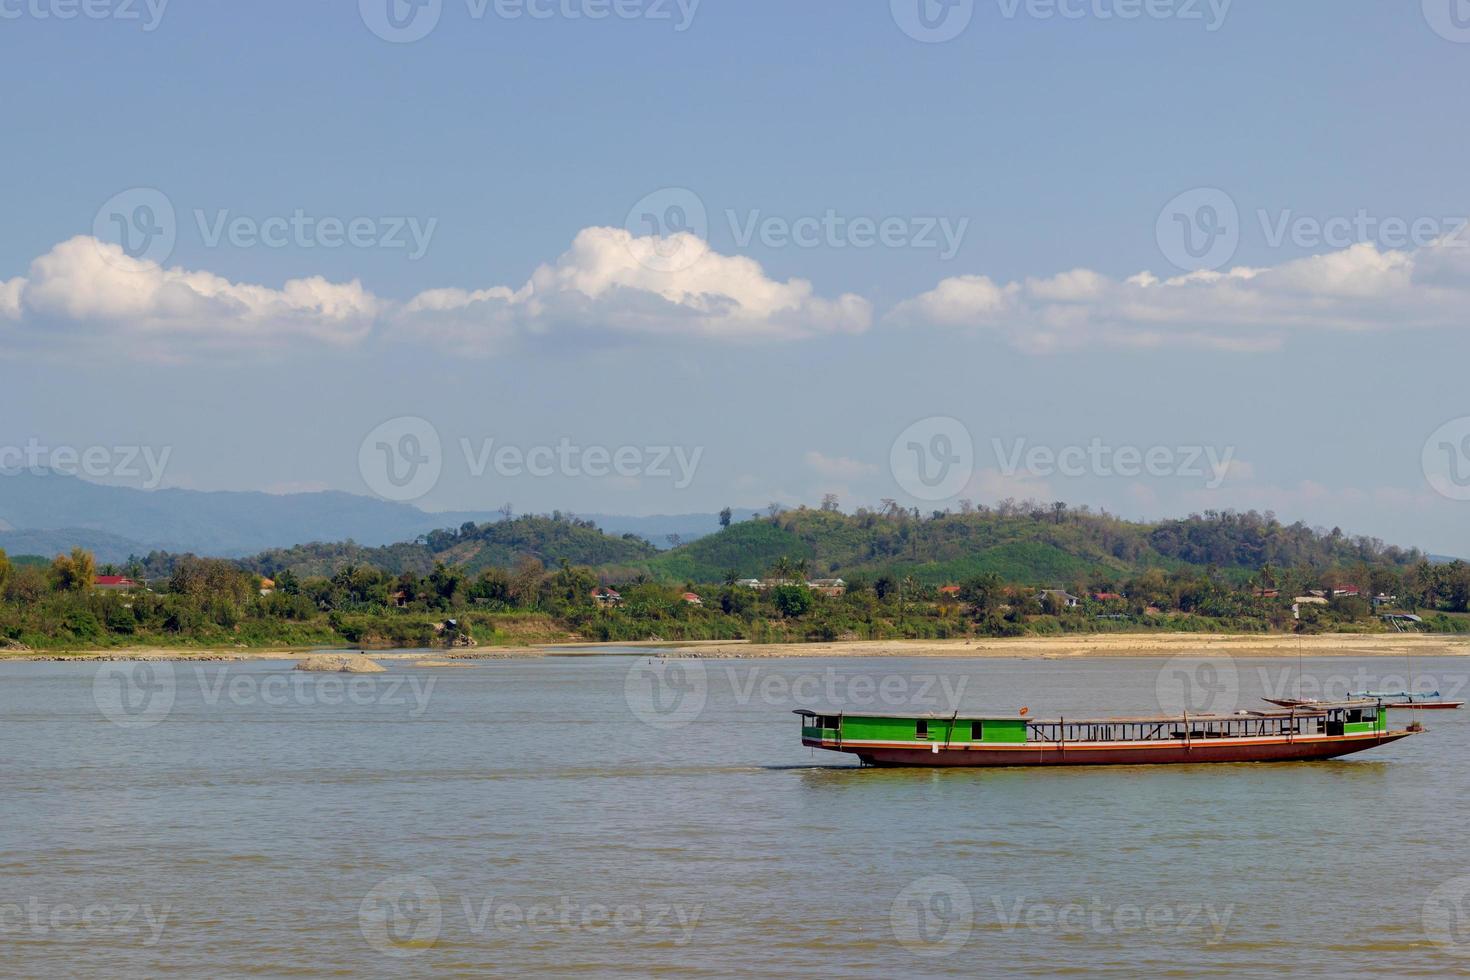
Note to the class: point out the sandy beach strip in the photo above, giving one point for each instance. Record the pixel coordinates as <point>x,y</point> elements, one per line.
<point>1084,645</point>
<point>1103,645</point>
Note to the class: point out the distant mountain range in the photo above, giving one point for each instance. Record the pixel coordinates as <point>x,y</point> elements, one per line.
<point>49,514</point>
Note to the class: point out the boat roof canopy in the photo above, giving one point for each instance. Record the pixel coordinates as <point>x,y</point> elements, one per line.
<point>1314,711</point>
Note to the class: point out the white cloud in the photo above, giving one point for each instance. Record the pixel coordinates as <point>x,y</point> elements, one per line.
<point>84,282</point>
<point>10,298</point>
<point>1357,289</point>
<point>610,281</point>
<point>838,467</point>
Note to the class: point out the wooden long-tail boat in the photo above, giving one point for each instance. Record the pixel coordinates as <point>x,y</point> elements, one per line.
<point>1250,736</point>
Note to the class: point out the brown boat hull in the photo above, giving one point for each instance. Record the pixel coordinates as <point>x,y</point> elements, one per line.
<point>1299,749</point>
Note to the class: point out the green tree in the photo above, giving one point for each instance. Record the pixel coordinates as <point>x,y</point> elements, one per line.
<point>4,571</point>
<point>75,572</point>
<point>725,517</point>
<point>793,601</point>
<point>985,592</point>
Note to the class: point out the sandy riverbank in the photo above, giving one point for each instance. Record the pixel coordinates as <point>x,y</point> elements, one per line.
<point>1040,647</point>
<point>1112,645</point>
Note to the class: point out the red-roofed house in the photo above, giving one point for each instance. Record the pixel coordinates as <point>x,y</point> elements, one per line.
<point>693,599</point>
<point>949,591</point>
<point>604,596</point>
<point>1106,596</point>
<point>115,583</point>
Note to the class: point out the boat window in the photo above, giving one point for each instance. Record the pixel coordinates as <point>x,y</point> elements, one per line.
<point>921,728</point>
<point>977,730</point>
<point>827,721</point>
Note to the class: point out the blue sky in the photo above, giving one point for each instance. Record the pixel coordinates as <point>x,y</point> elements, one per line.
<point>1029,169</point>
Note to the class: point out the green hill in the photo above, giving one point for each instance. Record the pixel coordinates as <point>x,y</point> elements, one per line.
<point>1033,545</point>
<point>1038,546</point>
<point>472,547</point>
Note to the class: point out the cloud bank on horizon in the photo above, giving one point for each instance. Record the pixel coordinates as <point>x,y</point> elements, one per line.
<point>626,286</point>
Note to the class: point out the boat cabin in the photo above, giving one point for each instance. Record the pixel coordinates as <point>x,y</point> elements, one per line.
<point>1344,719</point>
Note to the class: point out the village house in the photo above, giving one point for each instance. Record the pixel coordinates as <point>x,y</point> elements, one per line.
<point>115,583</point>
<point>605,596</point>
<point>828,586</point>
<point>1064,597</point>
<point>693,599</point>
<point>949,591</point>
<point>1107,596</point>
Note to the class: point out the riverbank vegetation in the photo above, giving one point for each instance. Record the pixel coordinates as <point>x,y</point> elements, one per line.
<point>1009,571</point>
